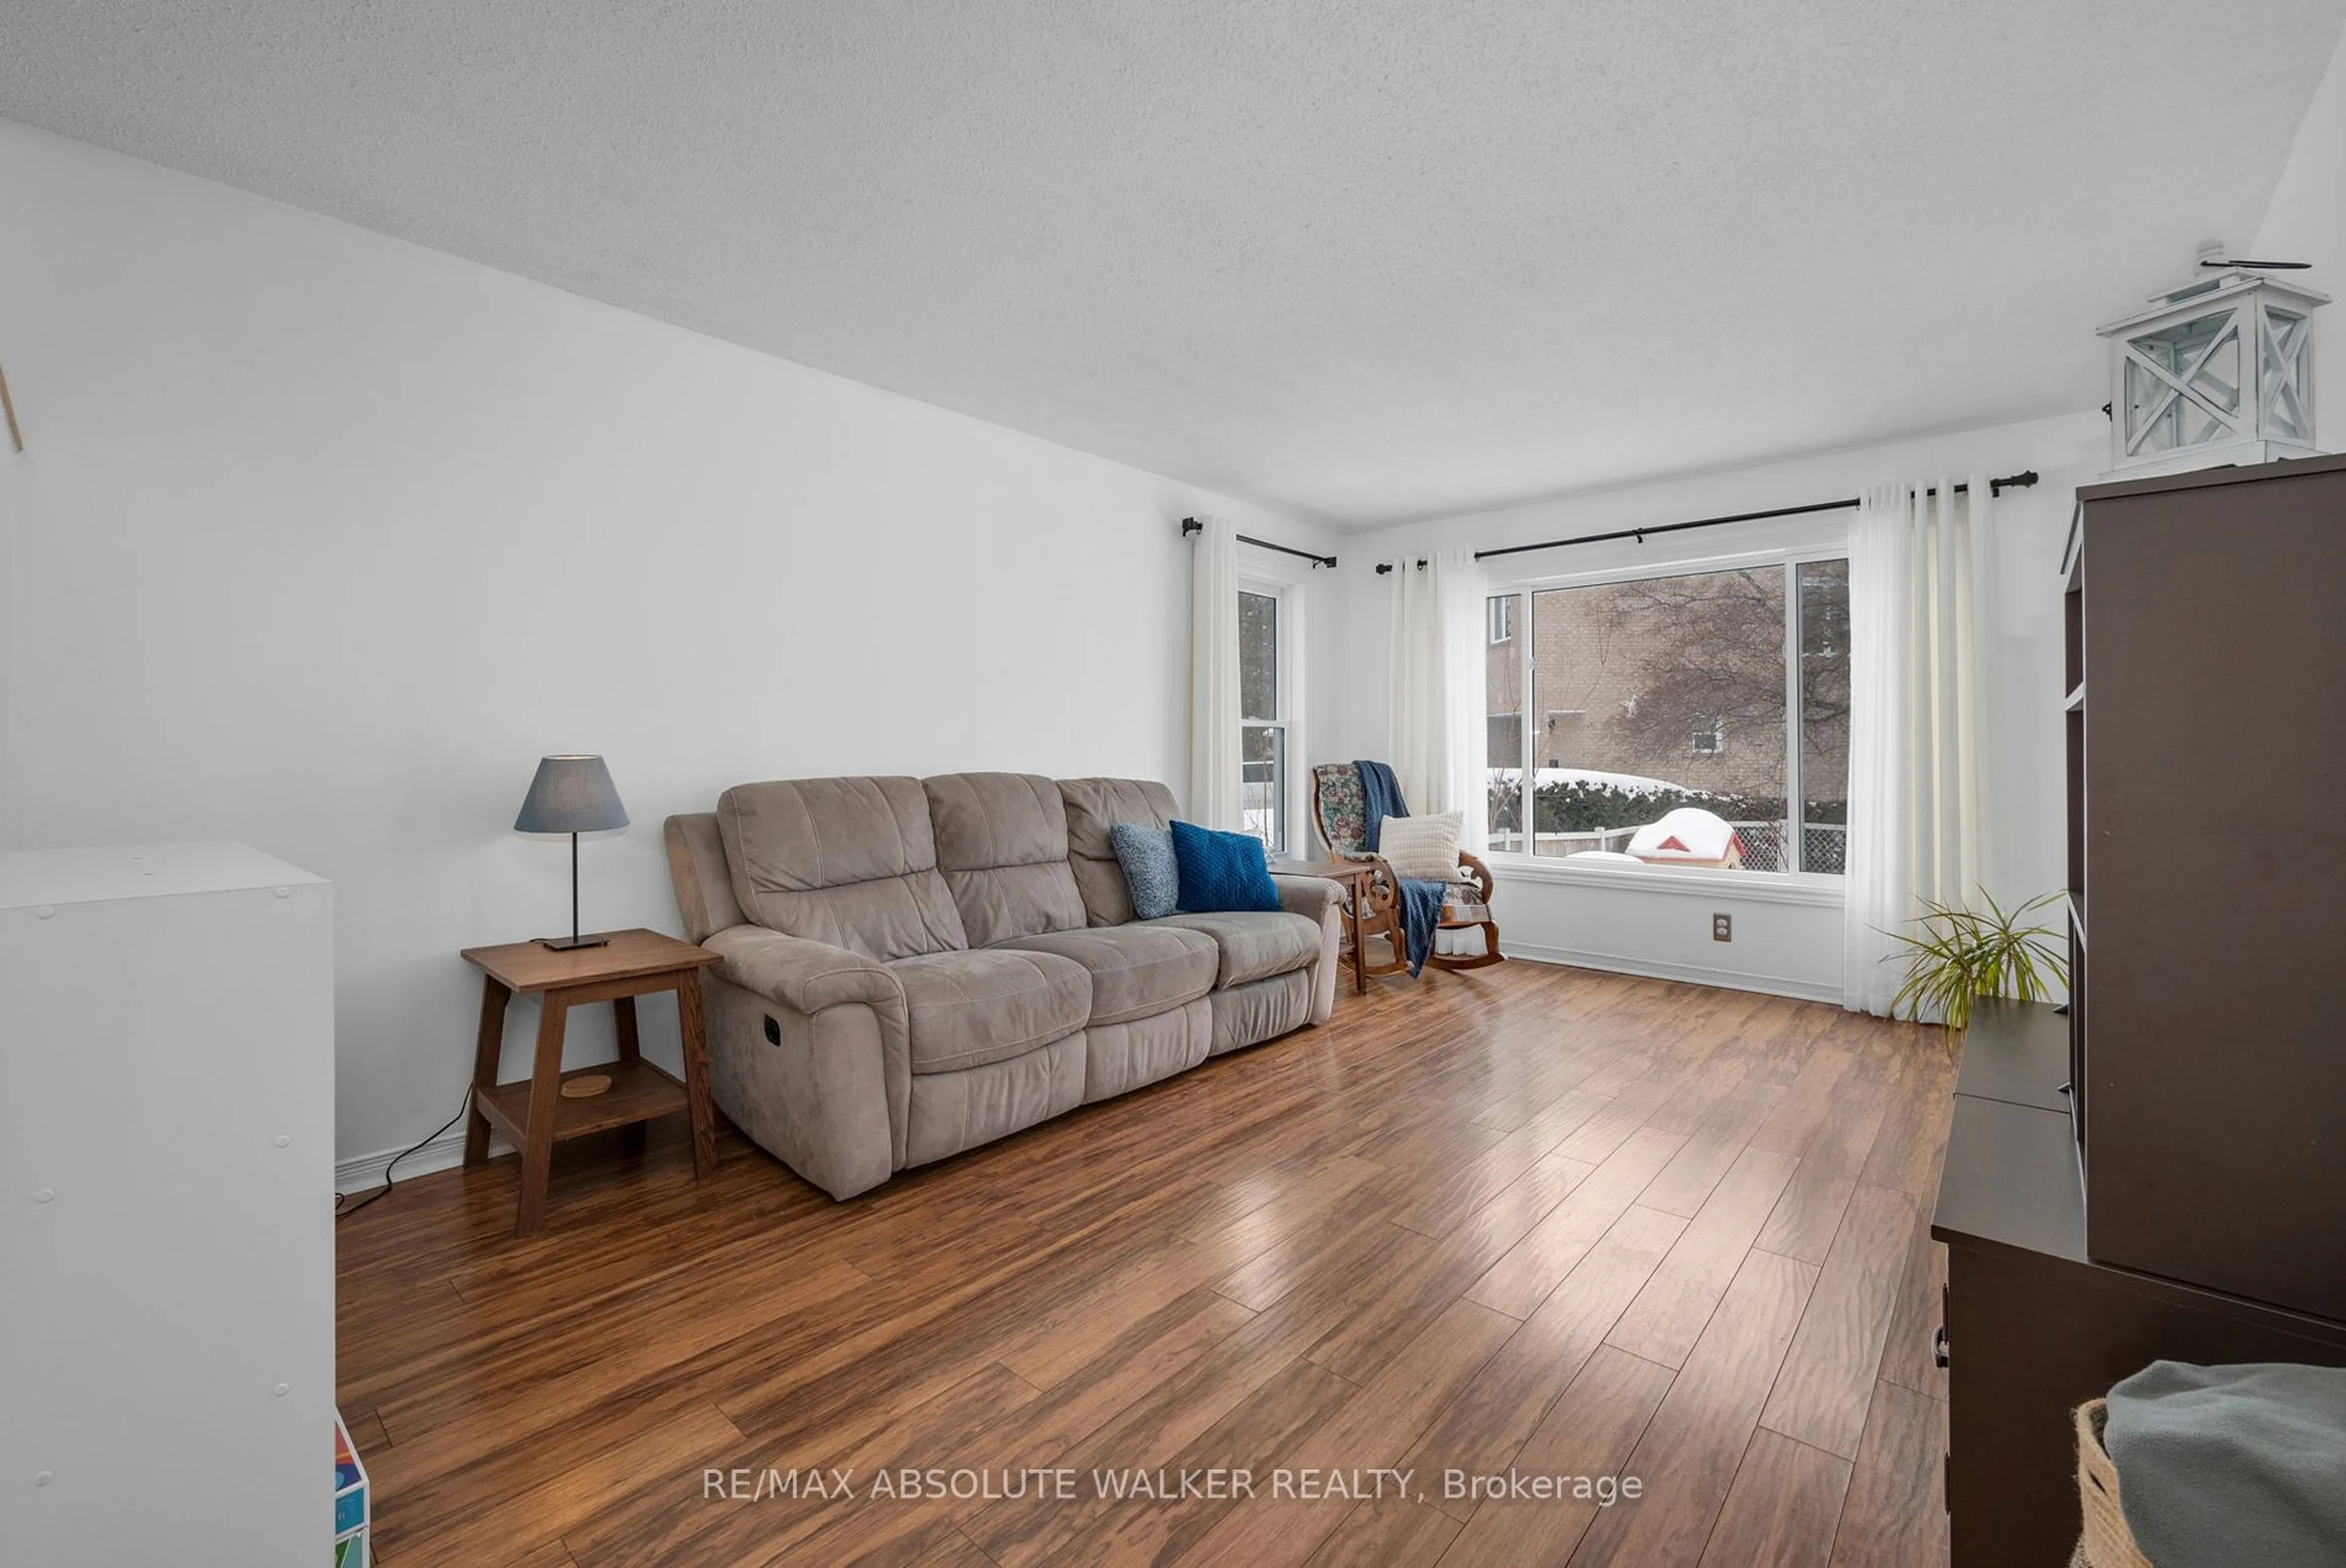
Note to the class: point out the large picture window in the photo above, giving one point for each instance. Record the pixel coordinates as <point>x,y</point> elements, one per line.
<point>1720,695</point>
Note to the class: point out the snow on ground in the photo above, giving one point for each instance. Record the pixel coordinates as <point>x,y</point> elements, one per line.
<point>1633,783</point>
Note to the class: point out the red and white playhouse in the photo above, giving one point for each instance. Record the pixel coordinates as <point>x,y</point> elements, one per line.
<point>1689,836</point>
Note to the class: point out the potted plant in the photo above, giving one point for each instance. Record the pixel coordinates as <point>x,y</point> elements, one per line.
<point>1960,955</point>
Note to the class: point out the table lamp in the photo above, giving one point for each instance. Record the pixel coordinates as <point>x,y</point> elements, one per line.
<point>571,795</point>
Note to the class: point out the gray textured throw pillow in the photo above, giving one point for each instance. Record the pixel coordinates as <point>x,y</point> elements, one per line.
<point>1146,853</point>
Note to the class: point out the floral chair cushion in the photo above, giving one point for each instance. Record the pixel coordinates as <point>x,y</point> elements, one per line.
<point>1343,815</point>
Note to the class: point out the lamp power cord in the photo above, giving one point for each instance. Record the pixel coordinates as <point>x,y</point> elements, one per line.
<point>344,1209</point>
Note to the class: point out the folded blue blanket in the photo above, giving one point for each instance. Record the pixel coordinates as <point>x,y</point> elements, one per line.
<point>2222,1467</point>
<point>1421,912</point>
<point>1421,901</point>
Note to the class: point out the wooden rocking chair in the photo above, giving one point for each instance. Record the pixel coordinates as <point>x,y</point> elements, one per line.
<point>1340,819</point>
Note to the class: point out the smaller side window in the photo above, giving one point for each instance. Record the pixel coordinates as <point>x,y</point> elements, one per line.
<point>1262,734</point>
<point>1503,618</point>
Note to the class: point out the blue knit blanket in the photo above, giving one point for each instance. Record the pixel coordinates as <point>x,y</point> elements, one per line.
<point>1421,912</point>
<point>1421,902</point>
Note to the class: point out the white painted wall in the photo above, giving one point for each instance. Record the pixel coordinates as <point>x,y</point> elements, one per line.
<point>2307,222</point>
<point>322,538</point>
<point>1645,924</point>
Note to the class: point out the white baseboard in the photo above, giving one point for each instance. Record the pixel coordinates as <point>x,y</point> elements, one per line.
<point>1691,974</point>
<point>366,1172</point>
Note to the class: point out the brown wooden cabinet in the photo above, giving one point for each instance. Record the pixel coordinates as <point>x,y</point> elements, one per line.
<point>2034,1326</point>
<point>2161,1174</point>
<point>2212,817</point>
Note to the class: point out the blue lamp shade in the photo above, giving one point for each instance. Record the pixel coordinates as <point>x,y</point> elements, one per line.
<point>571,795</point>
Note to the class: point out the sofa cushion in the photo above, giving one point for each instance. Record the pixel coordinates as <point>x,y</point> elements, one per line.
<point>1094,806</point>
<point>1136,970</point>
<point>966,1009</point>
<point>1253,944</point>
<point>1002,844</point>
<point>848,861</point>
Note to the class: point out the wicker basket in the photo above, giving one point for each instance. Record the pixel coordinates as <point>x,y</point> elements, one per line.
<point>2109,1542</point>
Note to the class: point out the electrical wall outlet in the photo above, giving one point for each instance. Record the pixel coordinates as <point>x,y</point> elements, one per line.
<point>1722,928</point>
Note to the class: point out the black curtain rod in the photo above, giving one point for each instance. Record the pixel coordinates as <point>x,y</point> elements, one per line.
<point>1995,488</point>
<point>1192,526</point>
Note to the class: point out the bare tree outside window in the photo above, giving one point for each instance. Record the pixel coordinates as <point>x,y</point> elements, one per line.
<point>1706,656</point>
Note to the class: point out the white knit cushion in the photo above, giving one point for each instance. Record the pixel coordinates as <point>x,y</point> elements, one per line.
<point>1424,847</point>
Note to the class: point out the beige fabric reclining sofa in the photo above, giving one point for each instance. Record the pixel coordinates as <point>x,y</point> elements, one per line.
<point>911,967</point>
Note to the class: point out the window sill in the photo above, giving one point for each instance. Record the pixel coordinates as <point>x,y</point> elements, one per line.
<point>1810,888</point>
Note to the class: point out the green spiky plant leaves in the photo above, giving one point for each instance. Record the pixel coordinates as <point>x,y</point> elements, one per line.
<point>1959,955</point>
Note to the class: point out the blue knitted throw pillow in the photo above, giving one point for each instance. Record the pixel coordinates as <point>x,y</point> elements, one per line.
<point>1150,872</point>
<point>1221,872</point>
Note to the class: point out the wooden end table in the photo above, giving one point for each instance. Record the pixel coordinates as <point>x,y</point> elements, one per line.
<point>1357,876</point>
<point>533,1112</point>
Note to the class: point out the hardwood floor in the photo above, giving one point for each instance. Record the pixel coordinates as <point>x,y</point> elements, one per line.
<point>1566,1222</point>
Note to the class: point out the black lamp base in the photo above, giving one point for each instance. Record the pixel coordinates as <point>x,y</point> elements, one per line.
<point>571,944</point>
<point>573,941</point>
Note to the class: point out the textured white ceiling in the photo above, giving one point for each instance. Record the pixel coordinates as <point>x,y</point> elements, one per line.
<point>1366,260</point>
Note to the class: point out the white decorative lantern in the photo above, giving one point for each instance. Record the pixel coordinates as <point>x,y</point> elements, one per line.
<point>2218,372</point>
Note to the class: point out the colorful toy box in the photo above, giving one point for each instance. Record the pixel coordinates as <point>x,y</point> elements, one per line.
<point>352,1513</point>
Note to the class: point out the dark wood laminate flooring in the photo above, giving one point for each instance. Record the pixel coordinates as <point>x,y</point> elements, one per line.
<point>1532,1218</point>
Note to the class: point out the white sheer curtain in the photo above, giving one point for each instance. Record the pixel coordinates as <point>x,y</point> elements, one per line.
<point>1920,579</point>
<point>1437,687</point>
<point>1215,792</point>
